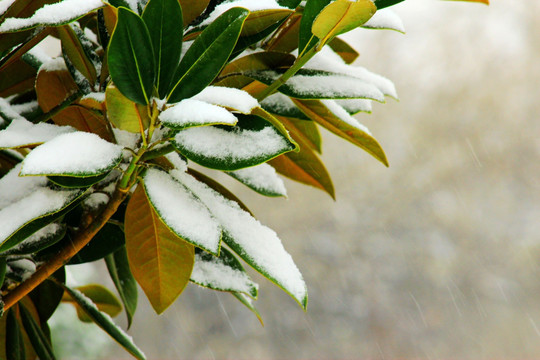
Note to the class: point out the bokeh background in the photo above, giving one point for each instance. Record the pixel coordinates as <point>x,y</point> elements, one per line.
<point>436,257</point>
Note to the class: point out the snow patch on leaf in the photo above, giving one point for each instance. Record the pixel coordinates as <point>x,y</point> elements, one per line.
<point>251,5</point>
<point>232,98</point>
<point>262,178</point>
<point>385,19</point>
<point>191,112</point>
<point>343,115</point>
<point>22,133</point>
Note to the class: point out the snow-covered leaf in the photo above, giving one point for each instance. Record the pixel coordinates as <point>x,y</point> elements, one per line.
<point>340,17</point>
<point>56,14</point>
<point>84,119</point>
<point>354,106</point>
<point>77,154</point>
<point>182,212</point>
<point>252,6</point>
<point>317,84</point>
<point>22,133</point>
<point>105,322</point>
<point>282,105</point>
<point>337,120</point>
<point>256,244</point>
<point>224,273</point>
<point>161,262</point>
<point>251,142</point>
<point>234,99</point>
<point>124,113</point>
<point>104,300</point>
<point>207,55</point>
<point>162,17</point>
<point>261,178</point>
<point>41,239</point>
<point>385,19</point>
<point>192,113</point>
<point>131,57</point>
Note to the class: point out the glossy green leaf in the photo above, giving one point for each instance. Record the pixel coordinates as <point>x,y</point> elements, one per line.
<point>38,339</point>
<point>74,47</point>
<point>286,36</point>
<point>381,4</point>
<point>72,182</point>
<point>161,262</point>
<point>291,4</point>
<point>162,18</point>
<point>105,322</point>
<point>101,297</point>
<point>3,268</point>
<point>207,55</point>
<point>251,142</point>
<point>248,302</point>
<point>223,273</point>
<point>340,17</point>
<point>47,296</point>
<point>109,239</point>
<point>40,240</point>
<point>306,39</point>
<point>342,125</point>
<point>15,349</point>
<point>125,283</point>
<point>344,50</point>
<point>131,57</point>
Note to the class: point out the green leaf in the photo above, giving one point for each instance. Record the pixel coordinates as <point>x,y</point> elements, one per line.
<point>72,182</point>
<point>251,142</point>
<point>341,124</point>
<point>118,266</point>
<point>318,84</point>
<point>258,61</point>
<point>306,40</point>
<point>105,322</point>
<point>38,339</point>
<point>124,113</point>
<point>78,54</point>
<point>101,297</point>
<point>109,239</point>
<point>381,4</point>
<point>161,262</point>
<point>3,268</point>
<point>162,18</point>
<point>207,55</point>
<point>15,349</point>
<point>181,211</point>
<point>247,302</point>
<point>291,4</point>
<point>223,273</point>
<point>131,57</point>
<point>340,17</point>
<point>48,295</point>
<point>40,240</point>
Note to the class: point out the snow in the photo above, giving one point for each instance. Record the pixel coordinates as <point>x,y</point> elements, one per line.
<point>255,243</point>
<point>4,5</point>
<point>56,64</point>
<point>53,14</point>
<point>251,5</point>
<point>28,267</point>
<point>262,178</point>
<point>215,274</point>
<point>354,106</point>
<point>343,115</point>
<point>385,19</point>
<point>328,60</point>
<point>177,161</point>
<point>40,235</point>
<point>39,53</point>
<point>279,103</point>
<point>126,139</point>
<point>13,187</point>
<point>8,111</point>
<point>21,133</point>
<point>182,211</point>
<point>236,99</point>
<point>191,112</point>
<point>234,145</point>
<point>97,96</point>
<point>25,107</point>
<point>78,153</point>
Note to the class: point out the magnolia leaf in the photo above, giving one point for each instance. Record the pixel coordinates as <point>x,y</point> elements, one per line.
<point>306,40</point>
<point>73,182</point>
<point>282,105</point>
<point>251,142</point>
<point>256,244</point>
<point>105,322</point>
<point>131,57</point>
<point>207,55</point>
<point>354,106</point>
<point>161,262</point>
<point>37,337</point>
<point>182,212</point>
<point>192,9</point>
<point>22,133</point>
<point>15,347</point>
<point>230,98</point>
<point>286,36</point>
<point>21,79</point>
<point>258,61</point>
<point>162,18</point>
<point>335,119</point>
<point>41,239</point>
<point>72,44</point>
<point>261,178</point>
<point>124,113</point>
<point>54,86</point>
<point>47,296</point>
<point>78,154</point>
<point>191,113</point>
<point>223,273</point>
<point>307,130</point>
<point>104,300</point>
<point>319,84</point>
<point>291,4</point>
<point>259,20</point>
<point>381,4</point>
<point>118,266</point>
<point>344,50</point>
<point>108,239</point>
<point>386,20</point>
<point>340,17</point>
<point>23,48</point>
<point>85,120</point>
<point>248,302</point>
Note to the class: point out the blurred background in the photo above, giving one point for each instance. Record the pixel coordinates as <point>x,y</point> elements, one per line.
<point>436,257</point>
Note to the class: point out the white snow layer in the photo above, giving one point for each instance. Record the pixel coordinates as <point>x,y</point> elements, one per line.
<point>328,60</point>
<point>53,14</point>
<point>7,110</point>
<point>263,178</point>
<point>13,187</point>
<point>4,5</point>
<point>258,245</point>
<point>191,112</point>
<point>279,102</point>
<point>251,5</point>
<point>355,105</point>
<point>182,211</point>
<point>216,275</point>
<point>343,115</point>
<point>236,99</point>
<point>385,19</point>
<point>54,64</point>
<point>22,132</point>
<point>233,145</point>
<point>74,153</point>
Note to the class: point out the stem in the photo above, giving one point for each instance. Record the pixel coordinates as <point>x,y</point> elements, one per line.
<point>79,241</point>
<point>301,61</point>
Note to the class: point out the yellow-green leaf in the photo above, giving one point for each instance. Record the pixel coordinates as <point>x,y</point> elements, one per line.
<point>124,113</point>
<point>191,9</point>
<point>101,296</point>
<point>286,38</point>
<point>341,16</point>
<point>161,262</point>
<point>344,50</point>
<point>257,21</point>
